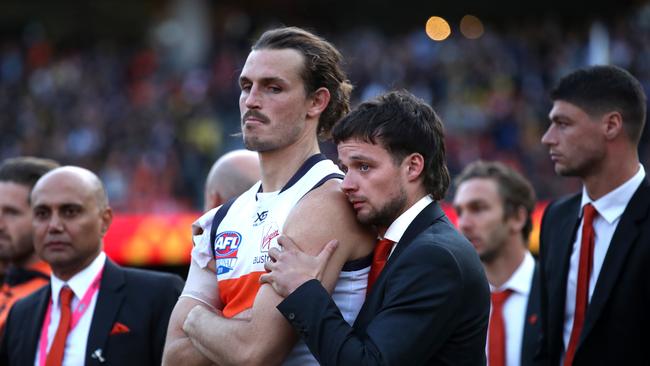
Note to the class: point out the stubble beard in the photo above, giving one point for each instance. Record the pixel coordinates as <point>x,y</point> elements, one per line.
<point>257,144</point>
<point>385,216</point>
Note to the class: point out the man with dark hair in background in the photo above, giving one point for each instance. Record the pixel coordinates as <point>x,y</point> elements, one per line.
<point>428,299</point>
<point>595,245</point>
<point>25,271</point>
<point>231,175</point>
<point>293,89</point>
<point>494,204</point>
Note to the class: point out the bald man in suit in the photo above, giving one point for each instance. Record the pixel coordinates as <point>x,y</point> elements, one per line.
<point>93,311</point>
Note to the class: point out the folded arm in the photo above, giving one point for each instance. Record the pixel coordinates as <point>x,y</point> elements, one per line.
<point>200,290</point>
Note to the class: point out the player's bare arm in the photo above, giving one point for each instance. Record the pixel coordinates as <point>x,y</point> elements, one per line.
<point>267,338</point>
<point>200,290</point>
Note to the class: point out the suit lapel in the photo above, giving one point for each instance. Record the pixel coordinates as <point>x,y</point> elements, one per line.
<point>34,332</point>
<point>566,230</point>
<point>424,219</point>
<point>624,238</point>
<point>531,322</point>
<point>109,300</point>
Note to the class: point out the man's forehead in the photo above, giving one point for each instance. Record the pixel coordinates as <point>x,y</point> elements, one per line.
<point>283,63</point>
<point>60,192</point>
<point>14,195</point>
<point>477,188</point>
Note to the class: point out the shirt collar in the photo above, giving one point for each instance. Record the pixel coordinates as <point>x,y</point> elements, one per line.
<point>399,226</point>
<point>612,205</point>
<point>80,282</point>
<point>521,278</point>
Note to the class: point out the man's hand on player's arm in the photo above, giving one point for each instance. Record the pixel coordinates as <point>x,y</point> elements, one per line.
<point>318,248</point>
<point>289,267</point>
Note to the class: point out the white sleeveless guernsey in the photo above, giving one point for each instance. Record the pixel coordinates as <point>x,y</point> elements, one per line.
<point>251,226</point>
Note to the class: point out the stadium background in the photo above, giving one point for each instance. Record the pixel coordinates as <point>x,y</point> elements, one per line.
<point>144,92</point>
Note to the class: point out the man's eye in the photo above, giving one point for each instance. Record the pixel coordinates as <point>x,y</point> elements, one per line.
<point>364,167</point>
<point>39,214</point>
<point>70,212</point>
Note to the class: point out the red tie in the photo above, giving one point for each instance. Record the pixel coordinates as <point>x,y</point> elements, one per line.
<point>379,258</point>
<point>497,330</point>
<point>55,356</point>
<point>584,272</point>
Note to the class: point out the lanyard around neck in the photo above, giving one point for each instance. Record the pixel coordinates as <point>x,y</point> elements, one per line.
<point>77,313</point>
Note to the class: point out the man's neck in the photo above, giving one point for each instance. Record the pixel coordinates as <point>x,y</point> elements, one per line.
<point>26,261</point>
<point>611,175</point>
<point>501,268</point>
<point>280,165</point>
<point>65,273</point>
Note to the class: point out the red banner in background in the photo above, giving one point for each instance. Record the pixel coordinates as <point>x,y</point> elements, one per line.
<point>166,240</point>
<point>150,240</point>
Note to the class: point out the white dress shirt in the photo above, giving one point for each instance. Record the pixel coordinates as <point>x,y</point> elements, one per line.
<point>514,309</point>
<point>610,207</point>
<point>75,345</point>
<point>399,226</point>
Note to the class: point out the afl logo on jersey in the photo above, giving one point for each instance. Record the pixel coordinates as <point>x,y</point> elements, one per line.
<point>226,244</point>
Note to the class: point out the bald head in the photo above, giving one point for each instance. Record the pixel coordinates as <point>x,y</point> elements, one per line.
<point>70,218</point>
<point>86,181</point>
<point>230,176</point>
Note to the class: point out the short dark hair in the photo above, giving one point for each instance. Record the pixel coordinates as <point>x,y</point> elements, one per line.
<point>323,68</point>
<point>25,170</point>
<point>601,89</point>
<point>403,124</point>
<point>515,190</point>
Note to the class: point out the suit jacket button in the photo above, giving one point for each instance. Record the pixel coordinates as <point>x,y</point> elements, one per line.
<point>291,316</point>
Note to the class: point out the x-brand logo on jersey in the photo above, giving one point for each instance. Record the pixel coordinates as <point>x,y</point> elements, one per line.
<point>261,216</point>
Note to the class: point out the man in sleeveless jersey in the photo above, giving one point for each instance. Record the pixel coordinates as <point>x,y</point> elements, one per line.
<point>292,91</point>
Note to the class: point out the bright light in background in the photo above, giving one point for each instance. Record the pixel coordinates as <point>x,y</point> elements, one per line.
<point>471,27</point>
<point>437,29</point>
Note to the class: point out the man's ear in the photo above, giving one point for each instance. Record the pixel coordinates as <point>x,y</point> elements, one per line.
<point>612,125</point>
<point>414,165</point>
<point>517,220</point>
<point>107,219</point>
<point>318,101</point>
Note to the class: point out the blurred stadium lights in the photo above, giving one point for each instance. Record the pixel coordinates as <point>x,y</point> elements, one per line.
<point>471,27</point>
<point>437,28</point>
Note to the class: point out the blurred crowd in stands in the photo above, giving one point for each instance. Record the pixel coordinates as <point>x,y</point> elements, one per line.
<point>151,130</point>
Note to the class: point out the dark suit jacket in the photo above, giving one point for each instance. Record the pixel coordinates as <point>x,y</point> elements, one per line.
<point>617,322</point>
<point>141,300</point>
<point>429,306</point>
<point>532,323</point>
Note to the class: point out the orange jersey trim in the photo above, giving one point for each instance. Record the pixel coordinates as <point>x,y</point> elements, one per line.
<point>239,293</point>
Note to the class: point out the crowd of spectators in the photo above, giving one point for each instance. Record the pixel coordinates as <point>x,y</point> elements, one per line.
<point>151,130</point>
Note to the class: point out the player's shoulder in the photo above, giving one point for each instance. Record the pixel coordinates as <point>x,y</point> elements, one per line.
<point>325,214</point>
<point>325,200</point>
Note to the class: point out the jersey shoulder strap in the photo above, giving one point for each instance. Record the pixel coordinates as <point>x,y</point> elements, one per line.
<point>216,221</point>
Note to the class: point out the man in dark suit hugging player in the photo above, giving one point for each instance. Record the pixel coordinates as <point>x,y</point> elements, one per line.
<point>428,299</point>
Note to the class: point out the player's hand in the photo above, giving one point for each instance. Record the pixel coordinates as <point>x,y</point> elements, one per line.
<point>289,268</point>
<point>196,317</point>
